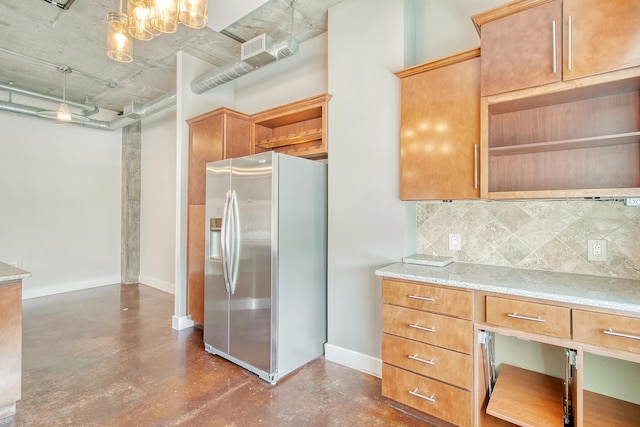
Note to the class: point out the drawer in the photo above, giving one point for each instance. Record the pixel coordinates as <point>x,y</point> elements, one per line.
<point>430,396</point>
<point>426,297</point>
<point>607,330</point>
<point>443,331</point>
<point>435,362</point>
<point>529,317</point>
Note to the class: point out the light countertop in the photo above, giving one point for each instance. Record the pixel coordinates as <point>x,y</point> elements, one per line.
<point>9,273</point>
<point>594,291</point>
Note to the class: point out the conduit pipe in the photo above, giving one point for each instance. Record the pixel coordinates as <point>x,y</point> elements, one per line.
<point>162,102</point>
<point>280,49</point>
<point>92,109</point>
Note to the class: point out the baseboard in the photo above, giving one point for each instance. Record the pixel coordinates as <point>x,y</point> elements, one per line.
<point>181,322</point>
<point>352,359</point>
<point>158,284</point>
<point>67,287</point>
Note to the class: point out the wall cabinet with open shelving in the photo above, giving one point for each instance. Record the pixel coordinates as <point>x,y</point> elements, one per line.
<point>298,128</point>
<point>567,139</point>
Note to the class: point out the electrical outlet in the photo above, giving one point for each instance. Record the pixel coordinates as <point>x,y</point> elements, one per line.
<point>455,243</point>
<point>597,250</point>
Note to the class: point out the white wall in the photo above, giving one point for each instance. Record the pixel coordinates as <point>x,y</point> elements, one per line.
<point>445,27</point>
<point>59,203</point>
<point>301,76</point>
<point>369,226</point>
<point>158,201</point>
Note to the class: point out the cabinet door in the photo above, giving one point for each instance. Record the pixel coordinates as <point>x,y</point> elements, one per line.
<point>440,133</point>
<point>518,50</point>
<point>206,141</point>
<point>10,344</point>
<point>237,142</point>
<point>604,36</point>
<point>195,263</point>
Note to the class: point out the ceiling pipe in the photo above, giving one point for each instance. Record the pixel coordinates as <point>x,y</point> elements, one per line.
<point>141,111</point>
<point>92,109</point>
<point>280,49</point>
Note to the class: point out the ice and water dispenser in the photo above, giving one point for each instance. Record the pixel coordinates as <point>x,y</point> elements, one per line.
<point>215,232</point>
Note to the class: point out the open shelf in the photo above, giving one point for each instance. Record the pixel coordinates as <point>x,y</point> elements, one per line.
<point>600,410</point>
<point>293,139</point>
<point>527,398</point>
<point>567,144</point>
<point>566,139</point>
<point>298,128</point>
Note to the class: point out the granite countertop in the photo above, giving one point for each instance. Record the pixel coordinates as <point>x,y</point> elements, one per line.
<point>9,273</point>
<point>593,291</point>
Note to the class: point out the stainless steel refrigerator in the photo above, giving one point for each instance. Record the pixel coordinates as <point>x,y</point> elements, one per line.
<point>265,262</point>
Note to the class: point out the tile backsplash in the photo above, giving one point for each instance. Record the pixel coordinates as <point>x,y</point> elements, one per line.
<point>543,235</point>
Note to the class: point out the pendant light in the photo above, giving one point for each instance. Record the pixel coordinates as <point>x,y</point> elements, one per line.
<point>165,16</point>
<point>119,47</point>
<point>62,114</point>
<point>145,19</point>
<point>193,13</point>
<point>139,13</point>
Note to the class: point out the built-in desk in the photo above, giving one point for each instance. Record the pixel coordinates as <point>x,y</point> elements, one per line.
<point>10,337</point>
<point>438,321</point>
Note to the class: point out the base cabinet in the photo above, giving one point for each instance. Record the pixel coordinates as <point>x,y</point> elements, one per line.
<point>10,347</point>
<point>426,350</point>
<point>472,358</point>
<point>438,399</point>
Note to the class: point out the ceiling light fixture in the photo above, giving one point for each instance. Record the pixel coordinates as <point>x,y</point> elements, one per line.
<point>119,47</point>
<point>147,18</point>
<point>62,114</point>
<point>62,4</point>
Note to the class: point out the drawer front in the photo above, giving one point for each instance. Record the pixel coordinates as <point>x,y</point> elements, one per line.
<point>607,330</point>
<point>443,331</point>
<point>435,362</point>
<point>529,317</point>
<point>426,297</point>
<point>433,397</point>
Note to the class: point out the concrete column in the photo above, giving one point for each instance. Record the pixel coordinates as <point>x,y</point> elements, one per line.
<point>130,224</point>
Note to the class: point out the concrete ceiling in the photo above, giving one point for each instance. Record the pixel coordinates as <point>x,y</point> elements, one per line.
<point>35,35</point>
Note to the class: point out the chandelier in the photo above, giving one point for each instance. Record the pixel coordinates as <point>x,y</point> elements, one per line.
<point>145,19</point>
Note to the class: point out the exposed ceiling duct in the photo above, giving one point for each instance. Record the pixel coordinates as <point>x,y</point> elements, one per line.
<point>254,53</point>
<point>278,50</point>
<point>131,115</point>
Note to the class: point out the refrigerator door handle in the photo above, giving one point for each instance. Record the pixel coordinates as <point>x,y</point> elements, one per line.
<point>224,241</point>
<point>234,256</point>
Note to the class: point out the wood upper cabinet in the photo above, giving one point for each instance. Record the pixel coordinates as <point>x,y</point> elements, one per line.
<point>297,129</point>
<point>216,135</point>
<point>528,43</point>
<point>578,138</point>
<point>518,48</point>
<point>604,36</point>
<point>440,128</point>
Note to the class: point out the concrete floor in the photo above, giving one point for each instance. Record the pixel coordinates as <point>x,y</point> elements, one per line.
<point>108,357</point>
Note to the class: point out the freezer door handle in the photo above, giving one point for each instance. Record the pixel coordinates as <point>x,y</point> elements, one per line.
<point>234,255</point>
<point>224,241</point>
